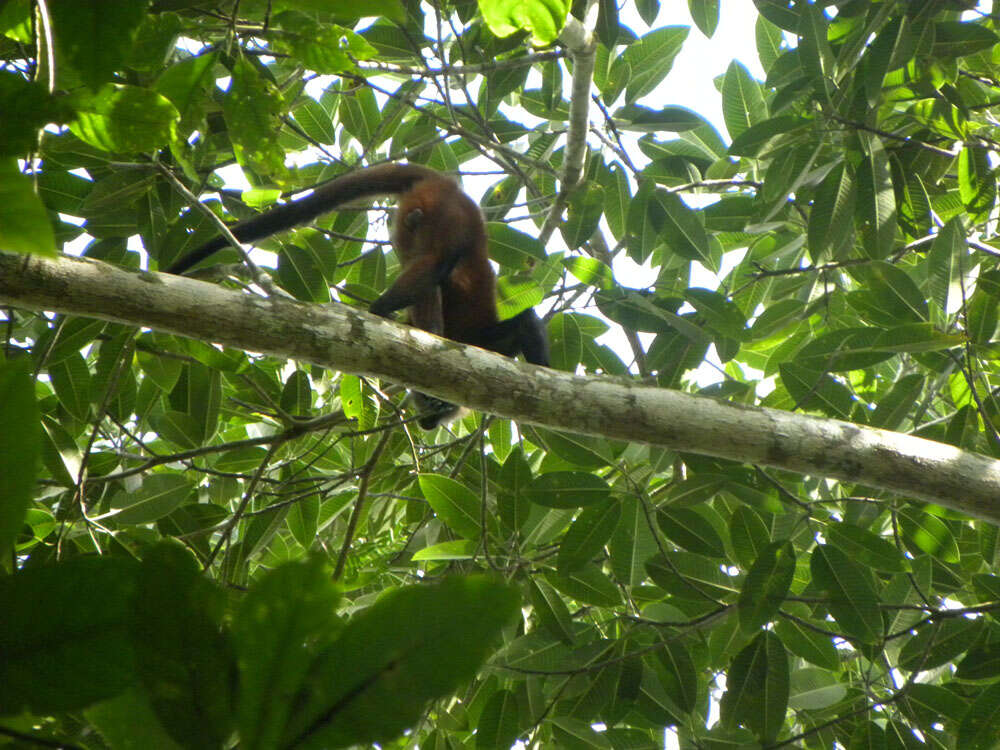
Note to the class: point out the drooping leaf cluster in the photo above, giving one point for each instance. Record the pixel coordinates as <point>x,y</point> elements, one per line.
<point>830,248</point>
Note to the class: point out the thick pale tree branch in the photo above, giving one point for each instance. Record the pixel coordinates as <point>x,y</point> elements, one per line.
<point>349,340</point>
<point>583,49</point>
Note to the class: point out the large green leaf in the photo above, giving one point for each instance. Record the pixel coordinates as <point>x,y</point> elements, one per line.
<point>65,635</point>
<point>757,688</point>
<point>184,659</point>
<point>20,447</point>
<point>376,678</point>
<point>454,503</point>
<point>543,18</point>
<point>852,599</point>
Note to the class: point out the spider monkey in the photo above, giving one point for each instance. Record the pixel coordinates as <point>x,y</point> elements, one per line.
<point>446,281</point>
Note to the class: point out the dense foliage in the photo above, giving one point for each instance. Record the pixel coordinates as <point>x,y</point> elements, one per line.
<point>205,548</point>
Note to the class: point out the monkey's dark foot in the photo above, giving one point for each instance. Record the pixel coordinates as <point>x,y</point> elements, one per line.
<point>434,412</point>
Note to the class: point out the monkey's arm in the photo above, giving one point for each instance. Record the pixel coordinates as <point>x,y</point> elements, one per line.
<point>420,280</point>
<point>427,313</point>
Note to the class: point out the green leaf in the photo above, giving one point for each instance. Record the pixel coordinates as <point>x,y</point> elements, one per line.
<point>198,395</point>
<point>158,495</point>
<point>24,222</point>
<point>570,732</point>
<point>543,18</point>
<point>303,520</point>
<point>648,60</point>
<point>28,107</point>
<point>915,337</point>
<point>893,46</point>
<point>125,119</point>
<point>780,315</point>
<point>511,248</point>
<point>831,219</point>
<point>358,401</point>
<point>720,313</point>
<point>328,49</point>
<point>748,535</point>
<point>587,585</point>
<point>981,316</point>
<point>977,183</point>
<point>590,271</point>
<point>677,674</point>
<point>454,503</point>
<point>458,549</point>
<point>867,734</point>
<point>607,22</point>
<point>95,37</point>
<point>376,678</point>
<point>977,730</point>
<point>177,427</point>
<point>316,120</point>
<point>648,10</point>
<point>691,577</point>
<point>751,141</point>
<point>690,529</point>
<point>186,84</point>
<point>807,644</point>
<point>300,272</point>
<point>65,635</point>
<point>498,726</point>
<point>632,544</point>
<point>814,689</point>
<point>815,53</point>
<point>184,659</point>
<point>668,119</point>
<point>513,506</point>
<point>705,14</point>
<point>127,722</point>
<point>682,228</point>
<point>757,688</point>
<point>813,389</point>
<point>930,703</point>
<point>942,117</point>
<point>515,295</point>
<point>587,535</point>
<point>72,383</point>
<point>769,40</point>
<point>894,407</point>
<point>640,312</point>
<point>876,205</point>
<point>766,585</point>
<point>852,599</point>
<point>392,9</point>
<point>567,489</point>
<point>938,643</point>
<point>281,626</point>
<point>296,396</point>
<point>956,39</point>
<point>944,262</point>
<point>929,534</point>
<point>565,343</point>
<point>742,100</point>
<point>617,194</point>
<point>551,610</point>
<point>892,293</point>
<point>20,448</point>
<point>980,663</point>
<point>251,108</point>
<point>586,205</point>
<point>866,548</point>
